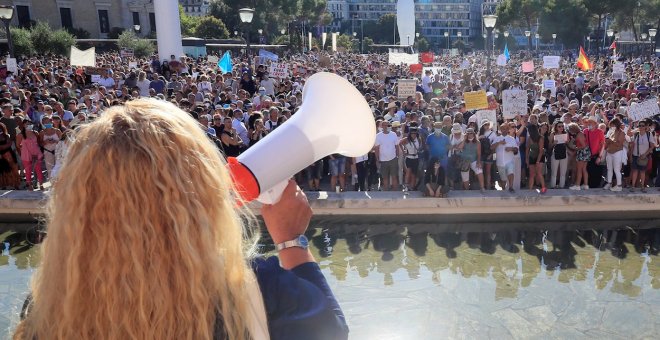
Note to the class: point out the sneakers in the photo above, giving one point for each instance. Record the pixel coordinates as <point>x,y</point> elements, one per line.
<point>575,187</point>
<point>616,188</point>
<point>585,187</point>
<point>607,186</point>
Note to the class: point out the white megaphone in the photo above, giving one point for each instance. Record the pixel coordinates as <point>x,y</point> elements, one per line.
<point>334,118</point>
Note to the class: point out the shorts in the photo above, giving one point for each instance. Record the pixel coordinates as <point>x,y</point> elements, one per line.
<point>337,166</point>
<point>465,176</point>
<point>412,164</point>
<point>315,170</point>
<point>389,168</point>
<point>636,167</point>
<point>506,170</point>
<point>583,155</point>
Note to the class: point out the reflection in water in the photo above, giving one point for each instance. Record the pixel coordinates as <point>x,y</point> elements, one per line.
<point>447,284</point>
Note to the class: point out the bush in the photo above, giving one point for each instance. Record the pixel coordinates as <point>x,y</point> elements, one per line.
<point>115,32</point>
<point>45,40</point>
<point>141,47</point>
<point>61,42</point>
<point>22,42</point>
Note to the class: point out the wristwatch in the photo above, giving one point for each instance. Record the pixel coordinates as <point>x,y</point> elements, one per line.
<point>300,241</point>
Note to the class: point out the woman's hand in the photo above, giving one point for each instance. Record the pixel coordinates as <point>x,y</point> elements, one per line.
<point>290,216</point>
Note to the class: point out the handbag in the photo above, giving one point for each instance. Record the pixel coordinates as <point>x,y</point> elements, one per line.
<point>643,161</point>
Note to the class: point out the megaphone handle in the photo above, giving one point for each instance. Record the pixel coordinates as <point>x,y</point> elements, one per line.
<point>273,195</point>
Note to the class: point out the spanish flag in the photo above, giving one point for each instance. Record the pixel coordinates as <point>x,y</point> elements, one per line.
<point>583,62</point>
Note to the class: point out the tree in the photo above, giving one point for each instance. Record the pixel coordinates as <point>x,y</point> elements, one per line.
<point>522,13</point>
<point>347,42</point>
<point>423,44</point>
<point>45,40</point>
<point>61,42</point>
<point>366,44</point>
<point>566,19</point>
<point>141,47</point>
<point>600,8</point>
<point>22,41</point>
<point>211,28</point>
<point>188,23</point>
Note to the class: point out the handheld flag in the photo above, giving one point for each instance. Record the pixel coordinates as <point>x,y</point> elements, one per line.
<point>225,64</point>
<point>583,62</point>
<point>613,47</point>
<point>506,51</point>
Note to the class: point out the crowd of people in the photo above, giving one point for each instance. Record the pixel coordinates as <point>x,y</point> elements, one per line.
<point>578,136</point>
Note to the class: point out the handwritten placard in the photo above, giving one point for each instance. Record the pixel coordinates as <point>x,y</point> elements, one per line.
<point>12,65</point>
<point>561,138</point>
<point>550,84</point>
<point>406,87</point>
<point>528,66</point>
<point>551,61</point>
<point>514,102</point>
<point>475,100</point>
<point>444,72</point>
<point>489,115</point>
<point>645,109</point>
<point>279,70</point>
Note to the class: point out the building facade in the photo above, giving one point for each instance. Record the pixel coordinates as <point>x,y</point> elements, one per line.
<point>98,17</point>
<point>434,16</point>
<point>196,8</point>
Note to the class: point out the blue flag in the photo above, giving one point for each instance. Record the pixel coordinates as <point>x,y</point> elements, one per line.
<point>506,51</point>
<point>225,63</point>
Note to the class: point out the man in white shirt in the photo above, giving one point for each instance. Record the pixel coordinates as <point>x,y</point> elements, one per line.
<point>387,152</point>
<point>238,126</point>
<point>107,81</point>
<point>268,84</point>
<point>506,149</point>
<point>426,82</point>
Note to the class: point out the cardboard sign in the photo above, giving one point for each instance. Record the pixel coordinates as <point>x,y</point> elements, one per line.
<point>551,61</point>
<point>395,58</point>
<point>550,84</point>
<point>83,58</point>
<point>444,72</point>
<point>279,70</point>
<point>212,59</point>
<point>645,109</point>
<point>489,115</point>
<point>126,52</point>
<point>475,100</point>
<point>12,65</point>
<point>514,102</point>
<point>528,66</point>
<point>501,60</point>
<point>406,87</point>
<point>618,70</point>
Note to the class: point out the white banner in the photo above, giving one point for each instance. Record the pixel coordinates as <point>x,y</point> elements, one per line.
<point>406,87</point>
<point>212,59</point>
<point>83,58</point>
<point>444,72</point>
<point>489,115</point>
<point>12,65</point>
<point>324,37</point>
<point>551,61</point>
<point>279,70</point>
<point>309,40</point>
<point>514,102</point>
<point>334,42</point>
<point>645,109</point>
<point>550,84</point>
<point>403,58</point>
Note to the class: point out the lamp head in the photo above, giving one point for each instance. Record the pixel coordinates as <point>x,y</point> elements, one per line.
<point>554,35</point>
<point>490,20</point>
<point>644,36</point>
<point>6,12</point>
<point>459,34</point>
<point>446,34</point>
<point>260,31</point>
<point>610,33</point>
<point>653,32</point>
<point>528,33</point>
<point>506,34</point>
<point>246,15</point>
<point>537,35</point>
<point>283,31</point>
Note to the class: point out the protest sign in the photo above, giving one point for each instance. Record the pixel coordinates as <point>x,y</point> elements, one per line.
<point>444,72</point>
<point>126,52</point>
<point>83,58</point>
<point>268,55</point>
<point>514,102</point>
<point>501,60</point>
<point>406,87</point>
<point>279,70</point>
<point>550,84</point>
<point>212,59</point>
<point>426,57</point>
<point>618,70</point>
<point>416,68</point>
<point>645,109</point>
<point>132,64</point>
<point>561,138</point>
<point>475,100</point>
<point>395,58</point>
<point>12,65</point>
<point>551,61</point>
<point>528,66</point>
<point>489,115</point>
<point>465,64</point>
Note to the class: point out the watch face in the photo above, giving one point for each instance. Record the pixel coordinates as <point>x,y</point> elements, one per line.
<point>303,241</point>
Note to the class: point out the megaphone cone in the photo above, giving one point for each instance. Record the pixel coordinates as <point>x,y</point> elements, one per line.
<point>334,118</point>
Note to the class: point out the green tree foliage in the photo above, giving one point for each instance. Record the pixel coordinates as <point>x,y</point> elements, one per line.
<point>366,44</point>
<point>22,41</point>
<point>521,13</point>
<point>141,47</point>
<point>382,31</point>
<point>566,18</point>
<point>423,44</point>
<point>45,40</point>
<point>347,42</point>
<point>211,28</point>
<point>188,23</point>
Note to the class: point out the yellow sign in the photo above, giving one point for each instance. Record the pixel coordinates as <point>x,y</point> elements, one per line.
<point>475,100</point>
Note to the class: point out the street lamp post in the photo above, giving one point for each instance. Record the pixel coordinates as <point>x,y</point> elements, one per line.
<point>489,21</point>
<point>408,40</point>
<point>554,40</point>
<point>459,34</point>
<point>246,15</point>
<point>447,36</point>
<point>589,44</point>
<point>537,36</point>
<point>137,29</point>
<point>496,36</point>
<point>6,13</point>
<point>652,34</point>
<point>528,34</point>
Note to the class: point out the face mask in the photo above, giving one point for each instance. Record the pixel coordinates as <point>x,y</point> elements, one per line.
<point>386,130</point>
<point>28,128</point>
<point>380,129</point>
<point>48,126</point>
<point>437,132</point>
<point>470,138</point>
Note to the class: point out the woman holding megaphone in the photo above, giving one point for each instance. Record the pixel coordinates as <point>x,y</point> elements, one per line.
<point>146,241</point>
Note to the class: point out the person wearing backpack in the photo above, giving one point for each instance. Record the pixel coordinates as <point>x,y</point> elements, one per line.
<point>558,159</point>
<point>614,147</point>
<point>641,145</point>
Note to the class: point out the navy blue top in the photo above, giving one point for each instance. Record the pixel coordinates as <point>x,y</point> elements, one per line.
<point>299,303</point>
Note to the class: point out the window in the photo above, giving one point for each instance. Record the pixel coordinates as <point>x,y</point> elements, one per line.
<point>23,14</point>
<point>136,18</point>
<point>104,24</point>
<point>65,14</point>
<point>152,22</point>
